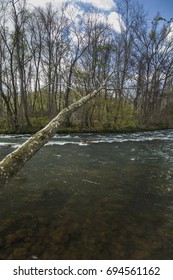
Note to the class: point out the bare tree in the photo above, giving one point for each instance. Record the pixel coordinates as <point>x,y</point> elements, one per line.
<point>153,58</point>
<point>20,16</point>
<point>94,64</point>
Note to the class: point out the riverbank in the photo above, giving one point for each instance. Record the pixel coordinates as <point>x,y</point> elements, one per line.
<point>32,130</point>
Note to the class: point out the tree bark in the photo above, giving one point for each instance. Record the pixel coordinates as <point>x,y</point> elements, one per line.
<point>13,162</point>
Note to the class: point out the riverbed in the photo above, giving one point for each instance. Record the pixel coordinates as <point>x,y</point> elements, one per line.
<point>90,196</point>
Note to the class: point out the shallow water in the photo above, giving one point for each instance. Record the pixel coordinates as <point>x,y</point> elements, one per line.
<point>90,196</point>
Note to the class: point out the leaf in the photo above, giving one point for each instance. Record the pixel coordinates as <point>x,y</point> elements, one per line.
<point>161,18</point>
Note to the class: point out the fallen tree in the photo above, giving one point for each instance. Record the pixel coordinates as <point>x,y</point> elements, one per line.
<point>13,162</point>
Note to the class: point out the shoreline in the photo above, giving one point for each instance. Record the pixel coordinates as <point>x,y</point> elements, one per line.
<point>68,130</point>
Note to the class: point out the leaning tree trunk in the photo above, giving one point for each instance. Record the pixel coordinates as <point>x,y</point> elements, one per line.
<point>13,162</point>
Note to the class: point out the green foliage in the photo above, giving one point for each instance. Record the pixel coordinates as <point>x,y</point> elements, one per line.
<point>105,114</point>
<point>4,125</point>
<point>40,121</point>
<point>163,19</point>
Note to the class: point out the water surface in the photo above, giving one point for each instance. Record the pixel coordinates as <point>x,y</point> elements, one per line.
<point>90,196</point>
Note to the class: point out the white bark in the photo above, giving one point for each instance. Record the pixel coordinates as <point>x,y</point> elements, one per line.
<point>13,162</point>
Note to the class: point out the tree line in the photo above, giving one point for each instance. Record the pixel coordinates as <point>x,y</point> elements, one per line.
<point>50,58</point>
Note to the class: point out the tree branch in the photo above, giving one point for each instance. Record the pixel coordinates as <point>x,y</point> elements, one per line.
<point>13,162</point>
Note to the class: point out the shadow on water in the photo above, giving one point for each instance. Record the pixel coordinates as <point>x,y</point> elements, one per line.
<point>102,201</point>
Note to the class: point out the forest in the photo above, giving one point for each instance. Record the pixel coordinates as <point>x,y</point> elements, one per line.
<point>50,58</point>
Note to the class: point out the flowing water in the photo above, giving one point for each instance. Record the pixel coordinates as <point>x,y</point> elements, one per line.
<point>90,196</point>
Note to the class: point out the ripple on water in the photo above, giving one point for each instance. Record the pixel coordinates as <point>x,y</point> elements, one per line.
<point>110,199</point>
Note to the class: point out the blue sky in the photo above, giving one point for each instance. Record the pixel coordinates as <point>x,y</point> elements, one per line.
<point>165,7</point>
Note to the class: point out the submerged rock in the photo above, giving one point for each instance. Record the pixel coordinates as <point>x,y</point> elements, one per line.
<point>1,242</point>
<point>10,238</point>
<point>18,254</point>
<point>21,233</point>
<point>59,235</point>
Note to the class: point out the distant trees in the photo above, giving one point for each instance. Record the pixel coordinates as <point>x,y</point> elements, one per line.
<point>47,30</point>
<point>15,63</point>
<point>154,51</point>
<point>50,57</point>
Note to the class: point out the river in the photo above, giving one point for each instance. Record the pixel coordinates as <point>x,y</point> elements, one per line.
<point>90,196</point>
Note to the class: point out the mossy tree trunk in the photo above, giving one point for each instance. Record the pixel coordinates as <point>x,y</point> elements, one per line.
<point>13,162</point>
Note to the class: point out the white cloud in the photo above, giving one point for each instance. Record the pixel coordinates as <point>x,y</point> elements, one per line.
<point>112,19</point>
<point>73,11</point>
<point>115,20</point>
<point>44,2</point>
<point>170,35</point>
<point>102,4</point>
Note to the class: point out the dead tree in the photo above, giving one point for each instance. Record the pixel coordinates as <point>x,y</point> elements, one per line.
<point>13,162</point>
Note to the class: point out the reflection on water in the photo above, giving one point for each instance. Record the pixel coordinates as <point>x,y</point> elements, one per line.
<point>90,196</point>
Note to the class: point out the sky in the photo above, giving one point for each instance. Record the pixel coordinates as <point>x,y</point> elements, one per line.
<point>107,7</point>
<point>165,7</point>
<point>102,4</point>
